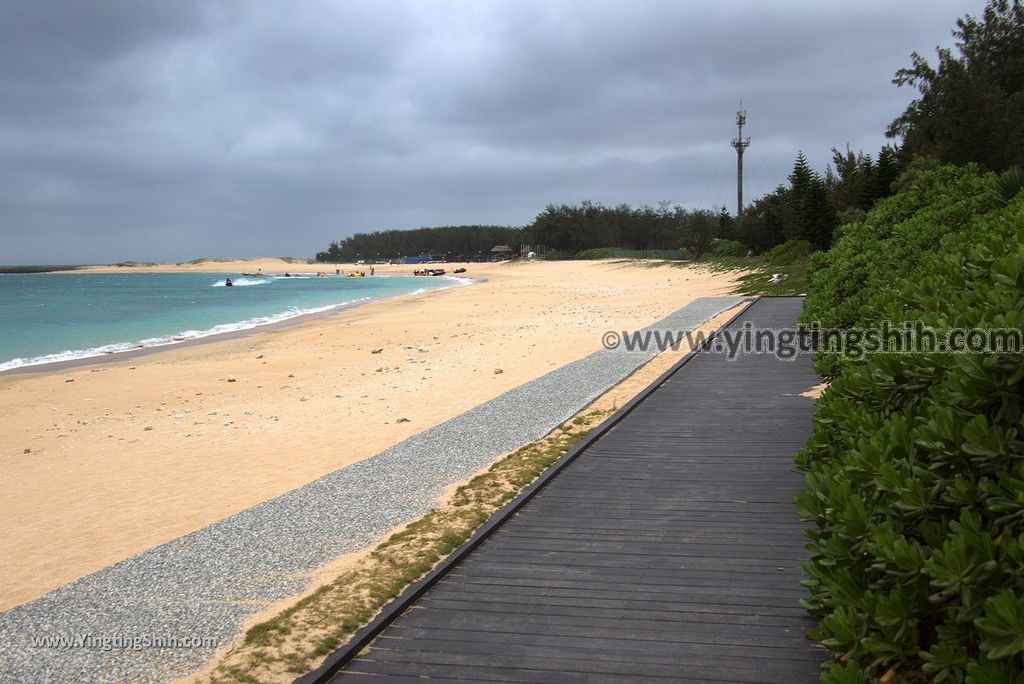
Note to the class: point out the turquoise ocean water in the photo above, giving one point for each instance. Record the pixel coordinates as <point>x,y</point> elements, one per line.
<point>46,317</point>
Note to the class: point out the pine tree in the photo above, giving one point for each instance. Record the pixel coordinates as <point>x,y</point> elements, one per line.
<point>887,171</point>
<point>820,215</point>
<point>866,172</point>
<point>798,225</point>
<point>726,225</point>
<point>810,214</point>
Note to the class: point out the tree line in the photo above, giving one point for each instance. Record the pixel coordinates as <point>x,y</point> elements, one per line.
<point>573,228</point>
<point>969,109</point>
<point>459,243</point>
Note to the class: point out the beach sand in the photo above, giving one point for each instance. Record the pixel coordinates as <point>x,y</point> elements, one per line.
<point>102,461</point>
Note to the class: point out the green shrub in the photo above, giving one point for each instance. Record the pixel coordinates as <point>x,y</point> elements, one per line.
<point>598,253</point>
<point>889,246</point>
<point>790,252</point>
<point>915,470</point>
<point>1009,184</point>
<point>728,248</point>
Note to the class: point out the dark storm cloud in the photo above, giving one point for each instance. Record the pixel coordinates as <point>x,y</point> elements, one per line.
<point>170,130</point>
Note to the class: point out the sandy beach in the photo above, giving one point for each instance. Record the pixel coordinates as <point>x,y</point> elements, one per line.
<point>103,460</point>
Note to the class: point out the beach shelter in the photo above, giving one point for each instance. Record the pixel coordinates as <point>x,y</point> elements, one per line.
<point>501,252</point>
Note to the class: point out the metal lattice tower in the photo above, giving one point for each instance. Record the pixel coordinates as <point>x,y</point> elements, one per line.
<point>740,143</point>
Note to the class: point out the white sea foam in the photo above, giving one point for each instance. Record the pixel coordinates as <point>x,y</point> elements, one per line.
<point>454,281</point>
<point>116,347</point>
<point>242,282</point>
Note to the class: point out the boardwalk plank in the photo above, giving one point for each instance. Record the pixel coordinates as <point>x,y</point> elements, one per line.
<point>668,551</point>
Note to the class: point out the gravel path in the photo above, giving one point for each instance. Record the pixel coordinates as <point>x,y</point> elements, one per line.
<point>203,585</point>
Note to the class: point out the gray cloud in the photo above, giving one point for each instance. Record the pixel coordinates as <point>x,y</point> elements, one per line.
<point>170,130</point>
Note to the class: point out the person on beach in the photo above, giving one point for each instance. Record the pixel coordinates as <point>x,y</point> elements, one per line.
<point>371,270</point>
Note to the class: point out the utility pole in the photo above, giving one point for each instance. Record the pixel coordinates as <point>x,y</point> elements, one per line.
<point>740,143</point>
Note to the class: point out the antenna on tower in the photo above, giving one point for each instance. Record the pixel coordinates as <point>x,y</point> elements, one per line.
<point>740,143</point>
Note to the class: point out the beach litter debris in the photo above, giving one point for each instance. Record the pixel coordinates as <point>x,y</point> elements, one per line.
<point>231,378</point>
<point>376,351</point>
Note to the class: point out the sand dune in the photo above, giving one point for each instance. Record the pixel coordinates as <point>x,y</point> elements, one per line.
<point>267,264</point>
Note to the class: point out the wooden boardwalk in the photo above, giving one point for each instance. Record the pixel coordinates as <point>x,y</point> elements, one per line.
<point>669,550</point>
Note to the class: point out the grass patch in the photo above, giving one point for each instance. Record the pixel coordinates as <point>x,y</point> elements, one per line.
<point>790,260</point>
<point>295,640</point>
<point>759,281</point>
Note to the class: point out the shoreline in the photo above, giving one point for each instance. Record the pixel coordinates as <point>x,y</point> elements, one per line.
<point>269,551</point>
<point>167,443</point>
<point>140,350</point>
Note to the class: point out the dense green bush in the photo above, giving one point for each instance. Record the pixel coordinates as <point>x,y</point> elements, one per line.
<point>915,470</point>
<point>791,252</point>
<point>598,253</point>
<point>728,248</point>
<point>890,244</point>
<point>1010,184</point>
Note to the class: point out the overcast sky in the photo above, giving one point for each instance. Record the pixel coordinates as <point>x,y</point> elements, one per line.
<point>168,130</point>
